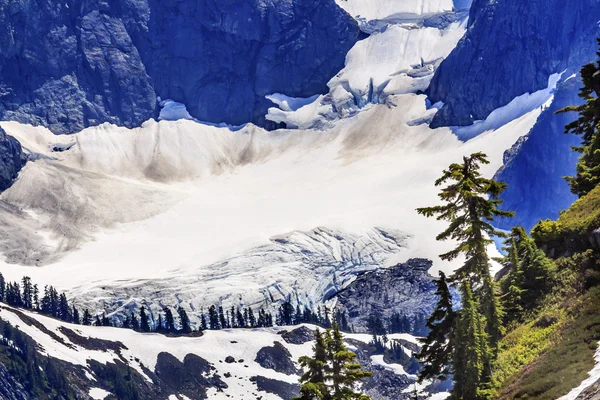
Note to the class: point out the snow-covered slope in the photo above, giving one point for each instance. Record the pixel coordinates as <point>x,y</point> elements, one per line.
<point>171,201</point>
<point>228,363</point>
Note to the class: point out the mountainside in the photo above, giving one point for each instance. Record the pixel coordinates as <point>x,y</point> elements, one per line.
<point>104,362</point>
<point>264,154</point>
<point>510,48</point>
<point>80,63</point>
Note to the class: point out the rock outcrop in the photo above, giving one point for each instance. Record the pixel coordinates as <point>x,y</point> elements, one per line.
<point>511,47</point>
<point>81,63</point>
<point>407,289</point>
<point>12,159</point>
<point>534,171</point>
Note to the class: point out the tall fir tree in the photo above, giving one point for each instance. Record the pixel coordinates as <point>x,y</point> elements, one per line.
<point>144,320</point>
<point>313,379</point>
<point>471,204</point>
<point>345,371</point>
<point>588,127</point>
<point>471,355</point>
<point>184,320</point>
<point>437,348</point>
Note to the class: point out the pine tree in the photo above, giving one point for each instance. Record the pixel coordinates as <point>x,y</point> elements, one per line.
<point>213,318</point>
<point>437,347</point>
<point>160,326</point>
<point>87,318</point>
<point>2,288</point>
<point>222,320</point>
<point>203,325</point>
<point>184,320</point>
<point>251,318</point>
<point>471,353</point>
<point>332,373</point>
<point>588,126</point>
<point>345,371</point>
<point>169,320</point>
<point>471,205</point>
<point>313,380</point>
<point>75,313</point>
<point>144,321</point>
<point>27,292</point>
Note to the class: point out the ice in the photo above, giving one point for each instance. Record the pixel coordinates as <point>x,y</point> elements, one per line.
<point>172,111</point>
<point>401,59</point>
<point>168,200</point>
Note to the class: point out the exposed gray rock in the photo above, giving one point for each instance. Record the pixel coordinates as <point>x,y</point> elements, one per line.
<point>299,335</point>
<point>407,289</point>
<point>277,358</point>
<point>511,47</point>
<point>282,389</point>
<point>79,63</point>
<point>12,159</point>
<point>192,377</point>
<point>534,170</point>
<point>10,389</point>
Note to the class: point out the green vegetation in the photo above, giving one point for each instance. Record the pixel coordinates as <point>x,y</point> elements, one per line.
<point>587,125</point>
<point>332,372</point>
<point>469,347</point>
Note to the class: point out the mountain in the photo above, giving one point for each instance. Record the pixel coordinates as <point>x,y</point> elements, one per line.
<point>80,63</point>
<point>254,153</point>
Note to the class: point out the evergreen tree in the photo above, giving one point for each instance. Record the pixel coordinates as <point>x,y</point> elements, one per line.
<point>285,315</point>
<point>471,204</point>
<point>345,371</point>
<point>332,373</point>
<point>36,297</point>
<point>64,310</point>
<point>471,352</point>
<point>251,318</point>
<point>144,321</point>
<point>105,320</point>
<point>135,323</point>
<point>437,347</point>
<point>160,326</point>
<point>87,318</point>
<point>169,320</point>
<point>588,126</point>
<point>241,318</point>
<point>2,287</point>
<point>313,379</point>
<point>184,320</point>
<point>75,314</point>
<point>222,320</point>
<point>203,325</point>
<point>98,322</point>
<point>27,292</point>
<point>213,318</point>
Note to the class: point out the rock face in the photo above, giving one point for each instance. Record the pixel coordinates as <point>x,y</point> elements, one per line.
<point>277,358</point>
<point>10,389</point>
<point>80,63</point>
<point>12,159</point>
<point>407,289</point>
<point>511,47</point>
<point>534,171</point>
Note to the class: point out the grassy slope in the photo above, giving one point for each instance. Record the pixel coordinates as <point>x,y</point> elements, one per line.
<point>550,353</point>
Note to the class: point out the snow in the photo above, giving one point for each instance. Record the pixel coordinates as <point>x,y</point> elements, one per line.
<point>212,346</point>
<point>369,12</point>
<point>98,393</point>
<point>161,203</point>
<point>395,368</point>
<point>518,106</point>
<point>398,60</point>
<point>594,376</point>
